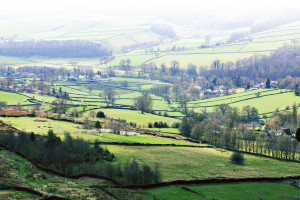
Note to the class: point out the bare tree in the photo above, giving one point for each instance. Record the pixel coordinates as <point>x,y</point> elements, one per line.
<point>109,94</point>
<point>183,99</point>
<point>224,108</point>
<point>144,103</point>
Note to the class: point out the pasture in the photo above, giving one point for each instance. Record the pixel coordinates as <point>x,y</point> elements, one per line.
<point>184,163</point>
<point>268,101</point>
<point>136,116</point>
<point>13,98</point>
<point>251,191</point>
<point>188,51</point>
<point>43,125</point>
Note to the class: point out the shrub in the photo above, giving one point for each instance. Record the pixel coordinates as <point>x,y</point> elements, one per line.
<point>132,124</point>
<point>264,116</point>
<point>175,125</point>
<point>100,114</point>
<point>237,158</point>
<point>160,125</point>
<point>98,125</point>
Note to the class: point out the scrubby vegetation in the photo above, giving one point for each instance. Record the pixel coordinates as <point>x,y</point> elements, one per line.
<point>76,156</point>
<point>237,158</point>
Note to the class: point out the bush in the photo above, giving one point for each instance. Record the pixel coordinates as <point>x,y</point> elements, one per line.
<point>100,114</point>
<point>237,158</point>
<point>175,125</point>
<point>159,125</point>
<point>166,114</point>
<point>98,125</point>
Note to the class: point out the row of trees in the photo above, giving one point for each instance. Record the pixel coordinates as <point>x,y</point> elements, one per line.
<point>281,63</point>
<point>54,48</point>
<point>224,128</point>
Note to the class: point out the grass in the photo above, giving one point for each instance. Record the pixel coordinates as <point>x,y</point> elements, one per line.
<point>29,124</point>
<point>183,163</point>
<point>269,100</point>
<point>43,98</point>
<point>238,191</point>
<point>136,116</point>
<point>13,98</point>
<point>6,60</point>
<point>144,139</point>
<point>204,59</point>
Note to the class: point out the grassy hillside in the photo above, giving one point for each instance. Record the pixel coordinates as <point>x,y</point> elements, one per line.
<point>13,98</point>
<point>136,117</point>
<point>251,191</point>
<point>188,52</point>
<point>17,171</point>
<point>183,163</point>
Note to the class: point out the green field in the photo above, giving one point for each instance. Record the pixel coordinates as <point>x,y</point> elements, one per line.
<point>183,163</point>
<point>13,98</point>
<point>268,101</point>
<point>251,191</point>
<point>31,124</point>
<point>261,43</point>
<point>136,116</point>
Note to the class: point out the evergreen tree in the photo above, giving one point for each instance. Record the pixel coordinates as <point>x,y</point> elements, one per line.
<point>32,136</point>
<point>298,135</point>
<point>98,125</point>
<point>268,83</point>
<point>237,158</point>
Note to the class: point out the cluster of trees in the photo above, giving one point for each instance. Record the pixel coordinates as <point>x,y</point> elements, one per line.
<point>237,36</point>
<point>48,74</point>
<point>158,125</point>
<point>164,30</point>
<point>141,174</point>
<point>60,106</point>
<point>60,94</point>
<point>243,73</point>
<point>109,95</point>
<point>281,63</point>
<point>144,103</point>
<point>225,128</point>
<point>3,104</point>
<point>7,82</point>
<point>125,63</point>
<point>54,48</point>
<point>76,156</point>
<point>64,156</point>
